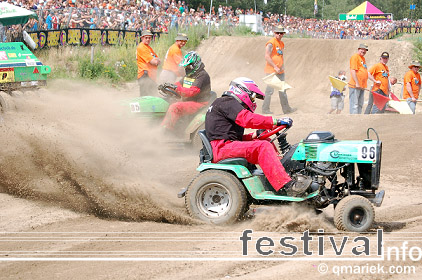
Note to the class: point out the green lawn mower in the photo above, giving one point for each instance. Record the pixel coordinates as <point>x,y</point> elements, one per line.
<point>344,173</point>
<point>155,108</point>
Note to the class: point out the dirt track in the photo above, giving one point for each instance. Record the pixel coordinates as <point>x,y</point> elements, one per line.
<point>77,180</point>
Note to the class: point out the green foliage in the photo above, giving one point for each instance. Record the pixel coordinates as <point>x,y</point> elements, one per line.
<point>417,50</point>
<point>112,65</point>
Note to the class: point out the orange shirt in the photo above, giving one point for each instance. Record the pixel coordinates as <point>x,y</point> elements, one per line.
<point>415,82</point>
<point>276,55</point>
<point>381,73</point>
<point>358,63</point>
<point>173,58</point>
<point>144,54</point>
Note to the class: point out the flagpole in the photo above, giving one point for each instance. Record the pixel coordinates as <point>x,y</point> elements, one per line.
<point>209,23</point>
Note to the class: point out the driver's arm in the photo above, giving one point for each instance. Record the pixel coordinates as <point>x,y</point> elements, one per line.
<point>187,92</point>
<point>247,119</point>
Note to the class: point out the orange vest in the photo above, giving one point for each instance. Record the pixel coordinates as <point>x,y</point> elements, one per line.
<point>276,55</point>
<point>381,73</point>
<point>144,54</point>
<point>358,63</point>
<point>173,58</point>
<point>415,82</point>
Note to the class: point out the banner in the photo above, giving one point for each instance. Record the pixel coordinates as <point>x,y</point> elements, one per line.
<point>350,17</point>
<point>85,37</point>
<point>379,17</point>
<point>365,16</point>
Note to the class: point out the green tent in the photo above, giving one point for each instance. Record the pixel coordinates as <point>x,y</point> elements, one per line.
<point>10,14</point>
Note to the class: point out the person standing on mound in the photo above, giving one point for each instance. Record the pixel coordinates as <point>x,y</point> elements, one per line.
<point>274,57</point>
<point>147,61</point>
<point>412,85</point>
<point>359,79</point>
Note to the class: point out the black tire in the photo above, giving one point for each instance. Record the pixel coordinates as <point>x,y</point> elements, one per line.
<point>354,213</point>
<point>196,140</point>
<point>216,197</point>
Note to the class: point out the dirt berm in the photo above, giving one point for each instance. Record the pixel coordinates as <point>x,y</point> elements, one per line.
<point>79,182</point>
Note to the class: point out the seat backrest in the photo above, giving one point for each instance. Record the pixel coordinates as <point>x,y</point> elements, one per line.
<point>205,154</point>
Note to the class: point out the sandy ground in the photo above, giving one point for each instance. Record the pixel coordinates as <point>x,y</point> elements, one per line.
<point>89,194</point>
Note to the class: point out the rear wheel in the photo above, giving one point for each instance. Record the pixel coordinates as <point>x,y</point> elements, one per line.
<point>217,197</point>
<point>354,213</point>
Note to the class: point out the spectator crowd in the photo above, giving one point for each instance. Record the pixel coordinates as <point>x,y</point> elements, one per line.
<point>162,15</point>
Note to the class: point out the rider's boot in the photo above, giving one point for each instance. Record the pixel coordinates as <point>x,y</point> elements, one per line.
<point>297,187</point>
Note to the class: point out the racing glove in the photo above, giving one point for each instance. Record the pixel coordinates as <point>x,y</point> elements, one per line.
<point>285,121</point>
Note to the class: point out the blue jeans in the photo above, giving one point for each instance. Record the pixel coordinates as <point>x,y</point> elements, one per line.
<point>356,98</point>
<point>369,108</point>
<point>411,104</point>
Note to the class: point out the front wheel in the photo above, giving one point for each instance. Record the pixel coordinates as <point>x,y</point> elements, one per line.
<point>216,197</point>
<point>354,213</point>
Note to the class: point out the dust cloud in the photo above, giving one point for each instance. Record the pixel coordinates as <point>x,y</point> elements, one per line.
<point>291,218</point>
<point>73,145</point>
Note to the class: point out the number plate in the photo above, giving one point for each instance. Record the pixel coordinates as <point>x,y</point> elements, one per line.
<point>134,107</point>
<point>29,83</point>
<point>367,152</point>
<point>30,62</point>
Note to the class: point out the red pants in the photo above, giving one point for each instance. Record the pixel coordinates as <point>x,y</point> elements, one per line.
<point>180,109</point>
<point>256,152</point>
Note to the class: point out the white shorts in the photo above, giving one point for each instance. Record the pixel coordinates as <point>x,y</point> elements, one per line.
<point>337,102</point>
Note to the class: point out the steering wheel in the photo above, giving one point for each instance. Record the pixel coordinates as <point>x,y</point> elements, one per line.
<point>270,132</point>
<point>167,91</point>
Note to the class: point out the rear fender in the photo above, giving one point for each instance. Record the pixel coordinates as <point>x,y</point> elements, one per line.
<point>239,170</point>
<point>195,123</point>
<point>147,105</point>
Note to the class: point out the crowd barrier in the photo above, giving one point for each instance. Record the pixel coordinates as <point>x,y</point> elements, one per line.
<point>402,29</point>
<point>86,37</point>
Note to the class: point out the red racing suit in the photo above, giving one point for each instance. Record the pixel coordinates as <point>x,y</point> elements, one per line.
<point>225,123</point>
<point>195,93</point>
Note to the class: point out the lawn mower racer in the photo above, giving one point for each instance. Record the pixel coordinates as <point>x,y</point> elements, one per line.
<point>193,90</point>
<point>327,171</point>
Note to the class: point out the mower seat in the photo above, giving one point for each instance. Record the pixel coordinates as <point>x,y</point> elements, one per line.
<point>205,155</point>
<point>320,137</point>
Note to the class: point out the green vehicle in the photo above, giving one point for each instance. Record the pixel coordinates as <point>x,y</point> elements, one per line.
<point>155,108</point>
<point>19,69</point>
<point>344,173</point>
